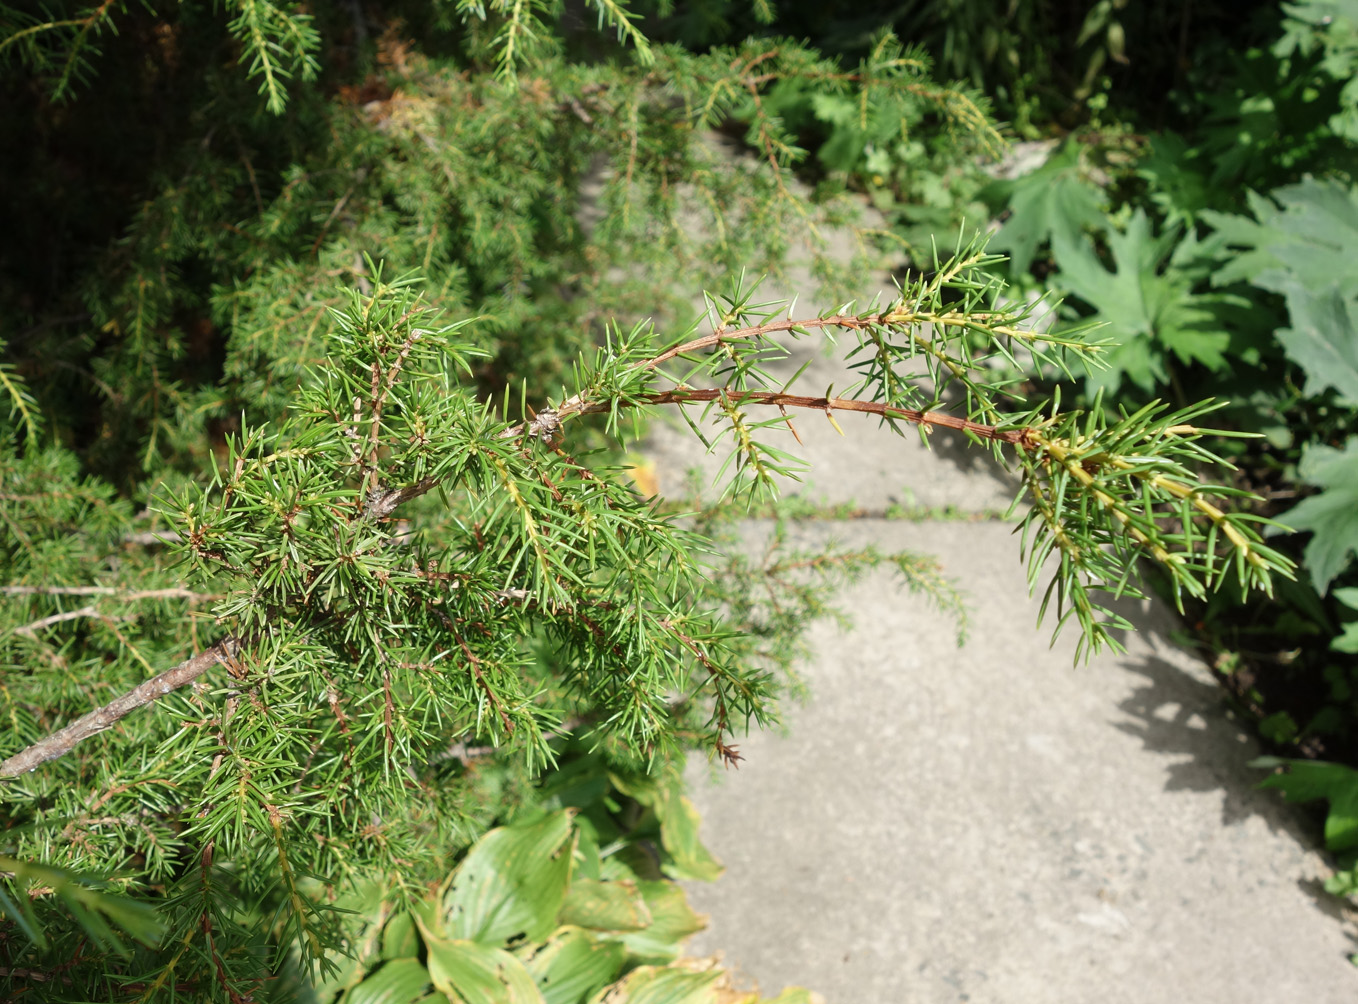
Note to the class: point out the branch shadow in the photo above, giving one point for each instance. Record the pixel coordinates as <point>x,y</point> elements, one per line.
<point>954,448</point>
<point>1174,711</point>
<point>1180,710</point>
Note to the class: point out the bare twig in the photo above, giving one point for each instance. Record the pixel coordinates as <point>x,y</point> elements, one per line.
<point>34,975</point>
<point>61,742</point>
<point>31,630</point>
<point>382,502</point>
<point>728,754</point>
<point>176,593</point>
<point>464,753</point>
<point>474,664</point>
<point>388,708</point>
<point>546,424</point>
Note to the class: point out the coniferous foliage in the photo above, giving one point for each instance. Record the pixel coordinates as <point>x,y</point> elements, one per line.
<point>398,566</point>
<point>285,538</point>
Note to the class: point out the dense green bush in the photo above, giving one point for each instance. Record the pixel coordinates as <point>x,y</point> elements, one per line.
<point>315,571</point>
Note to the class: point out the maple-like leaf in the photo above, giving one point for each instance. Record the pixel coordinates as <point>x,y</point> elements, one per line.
<point>1332,515</point>
<point>1306,232</point>
<point>1323,339</point>
<point>1347,639</point>
<point>1146,309</point>
<point>1054,202</point>
<point>1302,243</point>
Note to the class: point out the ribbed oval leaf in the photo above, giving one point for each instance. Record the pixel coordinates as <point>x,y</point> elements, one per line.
<point>652,985</point>
<point>399,981</point>
<point>679,823</point>
<point>672,920</point>
<point>473,973</point>
<point>399,938</point>
<point>512,883</point>
<point>796,995</point>
<point>573,964</point>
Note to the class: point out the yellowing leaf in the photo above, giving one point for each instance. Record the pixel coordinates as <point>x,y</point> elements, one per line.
<point>472,973</point>
<point>679,822</point>
<point>643,475</point>
<point>399,981</point>
<point>573,964</point>
<point>512,883</point>
<point>672,920</point>
<point>796,995</point>
<point>652,985</point>
<point>605,906</point>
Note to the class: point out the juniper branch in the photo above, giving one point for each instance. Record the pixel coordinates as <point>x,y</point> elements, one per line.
<point>1054,454</point>
<point>931,419</point>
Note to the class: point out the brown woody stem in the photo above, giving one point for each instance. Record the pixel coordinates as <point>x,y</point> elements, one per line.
<point>685,395</point>
<point>61,742</point>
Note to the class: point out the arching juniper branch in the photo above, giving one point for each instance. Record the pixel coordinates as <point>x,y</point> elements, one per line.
<point>381,504</point>
<point>1048,447</point>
